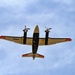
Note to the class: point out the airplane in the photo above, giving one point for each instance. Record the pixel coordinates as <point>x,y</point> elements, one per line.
<point>35,41</point>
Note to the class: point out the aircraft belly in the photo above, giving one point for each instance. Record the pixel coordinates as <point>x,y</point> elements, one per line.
<point>35,42</point>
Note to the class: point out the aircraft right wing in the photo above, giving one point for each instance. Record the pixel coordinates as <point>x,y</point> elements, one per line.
<point>53,40</point>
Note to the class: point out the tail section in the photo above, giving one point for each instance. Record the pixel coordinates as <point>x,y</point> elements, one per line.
<point>33,55</point>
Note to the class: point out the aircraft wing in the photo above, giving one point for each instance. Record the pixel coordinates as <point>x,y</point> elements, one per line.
<point>29,40</point>
<point>18,40</point>
<point>12,38</point>
<point>53,40</point>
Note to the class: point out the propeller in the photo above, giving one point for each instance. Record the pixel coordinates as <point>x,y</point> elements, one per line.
<point>26,29</point>
<point>47,29</point>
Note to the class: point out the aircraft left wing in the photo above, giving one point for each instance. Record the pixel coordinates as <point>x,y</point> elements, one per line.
<point>18,40</point>
<point>12,38</point>
<point>41,40</point>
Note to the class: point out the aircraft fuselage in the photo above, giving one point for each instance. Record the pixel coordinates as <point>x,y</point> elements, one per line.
<point>35,41</point>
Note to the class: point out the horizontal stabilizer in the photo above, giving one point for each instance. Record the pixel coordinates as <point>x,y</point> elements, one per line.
<point>33,55</point>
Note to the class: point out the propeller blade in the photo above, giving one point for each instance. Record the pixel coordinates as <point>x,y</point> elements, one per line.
<point>49,28</point>
<point>28,28</point>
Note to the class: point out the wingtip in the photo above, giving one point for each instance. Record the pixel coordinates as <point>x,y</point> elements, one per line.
<point>68,39</point>
<point>2,37</point>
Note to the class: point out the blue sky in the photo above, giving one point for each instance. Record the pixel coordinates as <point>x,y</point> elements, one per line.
<point>58,14</point>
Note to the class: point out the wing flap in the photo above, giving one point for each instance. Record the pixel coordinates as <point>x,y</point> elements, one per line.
<point>29,41</point>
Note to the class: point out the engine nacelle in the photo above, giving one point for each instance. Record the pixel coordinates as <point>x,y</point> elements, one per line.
<point>46,38</point>
<point>24,37</point>
<point>47,35</point>
<point>25,34</point>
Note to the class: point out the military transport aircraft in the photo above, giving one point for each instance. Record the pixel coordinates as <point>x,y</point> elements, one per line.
<point>35,41</point>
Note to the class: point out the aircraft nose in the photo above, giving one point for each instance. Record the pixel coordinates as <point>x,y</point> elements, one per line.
<point>37,27</point>
<point>36,30</point>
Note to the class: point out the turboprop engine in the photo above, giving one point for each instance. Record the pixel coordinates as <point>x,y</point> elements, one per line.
<point>47,35</point>
<point>25,34</point>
